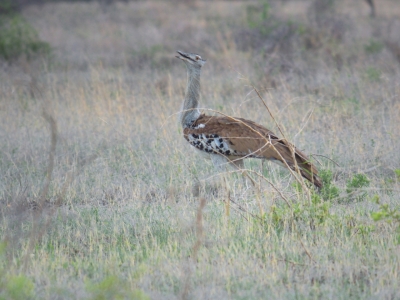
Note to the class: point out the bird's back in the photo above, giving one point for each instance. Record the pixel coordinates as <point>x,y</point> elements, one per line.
<point>240,138</point>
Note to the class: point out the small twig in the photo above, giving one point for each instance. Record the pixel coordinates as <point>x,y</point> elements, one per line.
<point>238,210</point>
<point>269,111</point>
<point>326,158</point>
<point>370,169</point>
<point>305,123</point>
<point>305,249</point>
<point>45,189</point>
<point>244,210</point>
<point>273,186</point>
<point>291,262</point>
<point>289,145</point>
<point>52,153</point>
<point>259,175</point>
<point>35,234</point>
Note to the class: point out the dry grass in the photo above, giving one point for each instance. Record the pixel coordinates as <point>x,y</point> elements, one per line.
<point>118,216</point>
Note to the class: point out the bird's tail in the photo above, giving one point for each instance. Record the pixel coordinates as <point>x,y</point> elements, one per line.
<point>306,168</point>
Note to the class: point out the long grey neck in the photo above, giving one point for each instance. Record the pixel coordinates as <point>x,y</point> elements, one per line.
<point>189,112</point>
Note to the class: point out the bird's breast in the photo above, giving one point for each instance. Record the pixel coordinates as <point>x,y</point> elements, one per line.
<point>210,143</point>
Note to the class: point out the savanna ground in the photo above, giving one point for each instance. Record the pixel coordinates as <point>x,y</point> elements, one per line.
<point>96,181</point>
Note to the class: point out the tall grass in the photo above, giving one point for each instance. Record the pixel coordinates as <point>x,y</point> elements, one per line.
<point>100,204</point>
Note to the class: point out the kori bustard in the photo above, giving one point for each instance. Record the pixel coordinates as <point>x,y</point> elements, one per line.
<point>229,140</point>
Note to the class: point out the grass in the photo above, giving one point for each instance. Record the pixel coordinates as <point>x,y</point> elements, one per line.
<point>96,181</point>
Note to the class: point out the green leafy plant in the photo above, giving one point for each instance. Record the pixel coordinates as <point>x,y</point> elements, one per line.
<point>373,47</point>
<point>112,287</point>
<point>17,287</point>
<point>387,214</point>
<point>313,213</point>
<point>329,190</point>
<point>318,210</point>
<point>18,38</point>
<point>8,7</point>
<point>256,15</point>
<point>278,216</point>
<point>373,74</point>
<point>397,172</point>
<point>358,181</point>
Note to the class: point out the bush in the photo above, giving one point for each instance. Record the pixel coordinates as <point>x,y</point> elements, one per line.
<point>373,47</point>
<point>19,39</point>
<point>328,191</point>
<point>8,7</point>
<point>113,287</point>
<point>257,15</point>
<point>390,215</point>
<point>357,182</point>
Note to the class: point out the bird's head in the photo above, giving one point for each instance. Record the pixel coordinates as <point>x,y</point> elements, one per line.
<point>191,59</point>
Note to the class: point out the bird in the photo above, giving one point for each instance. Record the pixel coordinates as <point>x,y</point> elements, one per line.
<point>229,140</point>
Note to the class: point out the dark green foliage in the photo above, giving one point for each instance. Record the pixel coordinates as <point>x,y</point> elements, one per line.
<point>313,213</point>
<point>13,287</point>
<point>8,7</point>
<point>358,181</point>
<point>19,287</point>
<point>372,74</point>
<point>373,47</point>
<point>19,39</point>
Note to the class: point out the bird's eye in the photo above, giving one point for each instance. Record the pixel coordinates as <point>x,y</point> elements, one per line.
<point>197,57</point>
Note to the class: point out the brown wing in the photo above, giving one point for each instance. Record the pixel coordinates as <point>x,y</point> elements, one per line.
<point>241,138</point>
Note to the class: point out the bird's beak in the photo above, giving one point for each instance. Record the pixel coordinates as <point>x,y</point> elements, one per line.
<point>179,56</point>
<point>182,55</point>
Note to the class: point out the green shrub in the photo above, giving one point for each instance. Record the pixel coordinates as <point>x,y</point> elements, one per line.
<point>387,214</point>
<point>373,74</point>
<point>329,190</point>
<point>8,7</point>
<point>114,288</point>
<point>17,287</point>
<point>312,213</point>
<point>397,172</point>
<point>19,39</point>
<point>373,47</point>
<point>256,15</point>
<point>358,181</point>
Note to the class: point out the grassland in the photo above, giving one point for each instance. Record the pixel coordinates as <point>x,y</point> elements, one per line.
<point>96,181</point>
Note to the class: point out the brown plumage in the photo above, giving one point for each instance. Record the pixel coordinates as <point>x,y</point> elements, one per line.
<point>237,139</point>
<point>229,139</point>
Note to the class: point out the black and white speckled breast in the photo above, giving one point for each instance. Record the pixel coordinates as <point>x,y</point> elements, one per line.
<point>210,143</point>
